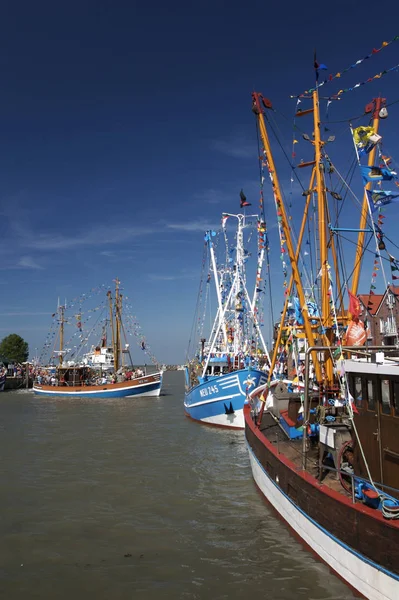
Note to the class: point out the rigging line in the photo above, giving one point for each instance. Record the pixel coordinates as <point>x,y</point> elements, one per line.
<point>344,120</point>
<point>284,152</point>
<point>345,184</point>
<point>273,130</point>
<point>304,267</point>
<point>365,249</point>
<point>80,348</point>
<point>338,213</point>
<point>357,118</point>
<point>264,219</point>
<point>196,311</point>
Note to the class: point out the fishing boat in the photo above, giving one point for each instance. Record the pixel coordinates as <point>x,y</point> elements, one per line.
<point>323,439</point>
<point>101,372</point>
<point>234,359</point>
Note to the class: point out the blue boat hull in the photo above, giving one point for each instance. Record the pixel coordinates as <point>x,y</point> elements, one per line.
<point>220,400</point>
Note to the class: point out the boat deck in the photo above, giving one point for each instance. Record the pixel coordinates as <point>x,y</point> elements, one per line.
<point>292,450</point>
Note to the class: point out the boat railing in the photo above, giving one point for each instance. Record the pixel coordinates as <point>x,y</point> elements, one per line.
<point>353,476</point>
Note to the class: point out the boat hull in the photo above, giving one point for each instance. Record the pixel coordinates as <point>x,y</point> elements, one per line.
<point>150,385</point>
<point>220,400</point>
<point>353,539</point>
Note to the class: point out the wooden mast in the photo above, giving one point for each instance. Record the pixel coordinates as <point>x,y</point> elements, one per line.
<point>61,311</point>
<point>258,110</point>
<point>375,106</point>
<point>117,326</point>
<point>111,318</point>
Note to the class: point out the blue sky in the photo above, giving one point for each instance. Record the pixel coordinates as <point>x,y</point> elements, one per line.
<point>126,130</point>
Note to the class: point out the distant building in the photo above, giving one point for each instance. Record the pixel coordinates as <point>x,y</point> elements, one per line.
<point>381,316</point>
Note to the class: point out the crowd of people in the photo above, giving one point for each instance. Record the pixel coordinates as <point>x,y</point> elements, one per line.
<point>46,377</point>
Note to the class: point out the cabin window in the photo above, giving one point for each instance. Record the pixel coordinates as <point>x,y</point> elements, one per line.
<point>385,397</point>
<point>370,395</point>
<point>357,392</point>
<point>216,370</point>
<point>395,389</point>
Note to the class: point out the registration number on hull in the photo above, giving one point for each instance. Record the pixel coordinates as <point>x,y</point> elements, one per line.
<point>208,391</point>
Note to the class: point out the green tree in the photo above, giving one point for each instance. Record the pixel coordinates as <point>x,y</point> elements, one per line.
<point>14,348</point>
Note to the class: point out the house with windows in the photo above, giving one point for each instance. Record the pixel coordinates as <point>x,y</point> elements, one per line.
<point>380,314</point>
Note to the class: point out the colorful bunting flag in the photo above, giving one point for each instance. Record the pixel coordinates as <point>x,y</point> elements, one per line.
<point>365,139</point>
<point>354,305</point>
<point>352,66</point>
<point>370,174</point>
<point>378,198</point>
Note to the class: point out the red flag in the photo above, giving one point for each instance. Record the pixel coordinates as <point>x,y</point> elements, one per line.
<point>351,401</point>
<point>354,305</point>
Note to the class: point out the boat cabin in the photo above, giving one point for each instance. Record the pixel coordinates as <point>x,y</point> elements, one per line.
<point>73,376</point>
<point>218,365</point>
<point>375,389</point>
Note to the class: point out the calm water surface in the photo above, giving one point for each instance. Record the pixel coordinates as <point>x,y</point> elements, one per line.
<point>120,499</point>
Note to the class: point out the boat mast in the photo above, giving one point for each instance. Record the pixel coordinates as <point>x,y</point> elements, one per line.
<point>375,107</point>
<point>297,253</point>
<point>239,285</point>
<point>217,285</point>
<point>326,329</point>
<point>117,325</point>
<point>111,319</point>
<point>61,312</point>
<point>259,112</point>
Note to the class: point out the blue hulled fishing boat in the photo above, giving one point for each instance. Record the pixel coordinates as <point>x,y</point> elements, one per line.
<point>234,360</point>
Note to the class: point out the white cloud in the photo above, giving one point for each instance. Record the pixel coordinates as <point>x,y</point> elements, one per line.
<point>199,225</point>
<point>24,314</point>
<point>27,262</point>
<point>94,236</point>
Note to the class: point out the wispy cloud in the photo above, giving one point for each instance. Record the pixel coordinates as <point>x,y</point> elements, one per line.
<point>237,145</point>
<point>24,314</point>
<point>27,262</point>
<point>196,225</point>
<point>182,274</point>
<point>94,236</point>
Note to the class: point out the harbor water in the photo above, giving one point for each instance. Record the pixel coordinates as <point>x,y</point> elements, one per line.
<point>130,499</point>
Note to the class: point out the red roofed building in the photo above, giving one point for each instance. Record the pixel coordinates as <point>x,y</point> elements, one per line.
<point>380,313</point>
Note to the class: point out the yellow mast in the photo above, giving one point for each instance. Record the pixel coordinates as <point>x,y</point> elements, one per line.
<point>322,223</point>
<point>376,105</point>
<point>257,109</point>
<point>298,249</point>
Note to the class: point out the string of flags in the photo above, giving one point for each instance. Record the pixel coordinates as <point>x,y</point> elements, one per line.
<point>394,264</point>
<point>339,74</point>
<point>365,139</point>
<point>82,333</point>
